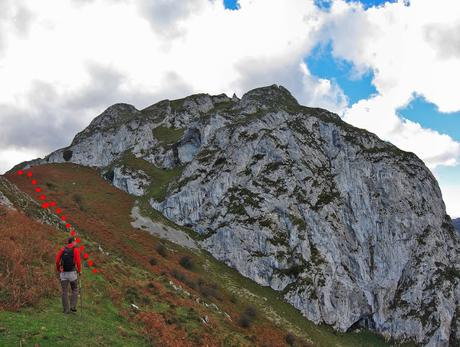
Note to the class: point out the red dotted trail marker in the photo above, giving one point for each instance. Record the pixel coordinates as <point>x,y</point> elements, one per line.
<point>49,204</point>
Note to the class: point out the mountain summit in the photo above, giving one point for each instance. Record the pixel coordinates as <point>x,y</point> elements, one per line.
<point>349,229</point>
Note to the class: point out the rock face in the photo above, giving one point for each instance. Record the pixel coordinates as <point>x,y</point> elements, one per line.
<point>4,201</point>
<point>131,181</point>
<point>351,230</point>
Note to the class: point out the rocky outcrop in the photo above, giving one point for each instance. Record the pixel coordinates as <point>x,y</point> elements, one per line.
<point>13,198</point>
<point>351,230</point>
<point>134,182</point>
<point>159,229</point>
<point>4,201</point>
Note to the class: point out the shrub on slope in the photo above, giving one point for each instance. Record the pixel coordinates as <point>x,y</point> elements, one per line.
<point>26,263</point>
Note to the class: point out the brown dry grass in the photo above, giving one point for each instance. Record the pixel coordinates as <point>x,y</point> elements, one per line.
<point>161,332</point>
<point>26,261</point>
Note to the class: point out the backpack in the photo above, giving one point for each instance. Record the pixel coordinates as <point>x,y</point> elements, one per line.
<point>67,260</point>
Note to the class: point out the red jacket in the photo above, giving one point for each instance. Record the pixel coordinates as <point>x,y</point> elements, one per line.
<point>76,258</point>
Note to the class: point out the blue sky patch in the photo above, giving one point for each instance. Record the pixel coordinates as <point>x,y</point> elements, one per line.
<point>326,4</point>
<point>448,174</point>
<point>321,63</point>
<point>372,3</point>
<point>428,116</point>
<point>231,4</point>
<point>323,4</point>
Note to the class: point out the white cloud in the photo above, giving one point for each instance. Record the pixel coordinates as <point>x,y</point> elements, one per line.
<point>12,156</point>
<point>167,17</point>
<point>443,37</point>
<point>451,196</point>
<point>378,115</point>
<point>62,63</point>
<point>322,92</point>
<point>401,45</point>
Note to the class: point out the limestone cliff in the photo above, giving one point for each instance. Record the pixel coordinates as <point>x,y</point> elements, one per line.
<point>351,230</point>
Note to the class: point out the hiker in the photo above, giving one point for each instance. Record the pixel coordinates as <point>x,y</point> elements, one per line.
<point>68,263</point>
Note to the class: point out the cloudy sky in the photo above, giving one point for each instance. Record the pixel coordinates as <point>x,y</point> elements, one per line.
<point>392,67</point>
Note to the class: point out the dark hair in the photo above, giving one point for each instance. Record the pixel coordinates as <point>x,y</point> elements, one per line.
<point>70,240</point>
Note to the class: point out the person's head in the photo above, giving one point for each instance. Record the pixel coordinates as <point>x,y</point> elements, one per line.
<point>69,240</point>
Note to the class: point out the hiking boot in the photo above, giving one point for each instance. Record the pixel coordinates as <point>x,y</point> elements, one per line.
<point>73,310</point>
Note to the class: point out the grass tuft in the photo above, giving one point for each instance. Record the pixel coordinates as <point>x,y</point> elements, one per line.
<point>167,135</point>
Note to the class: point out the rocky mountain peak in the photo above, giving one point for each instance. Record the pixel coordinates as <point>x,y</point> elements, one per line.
<point>114,116</point>
<point>270,96</point>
